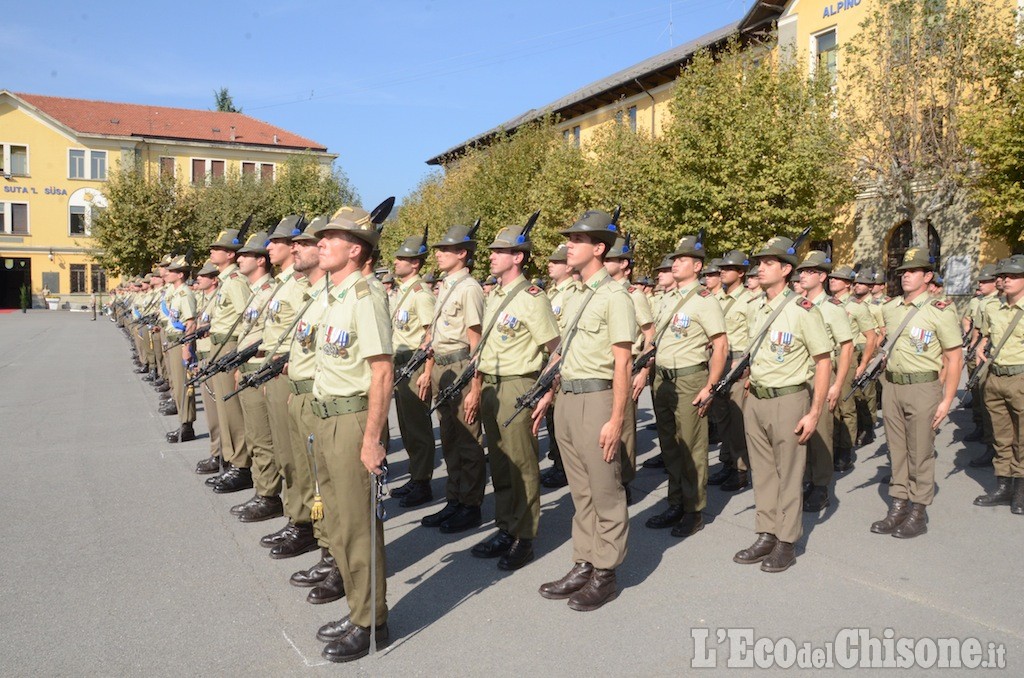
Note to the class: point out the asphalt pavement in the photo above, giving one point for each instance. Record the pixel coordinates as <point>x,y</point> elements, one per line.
<point>118,561</point>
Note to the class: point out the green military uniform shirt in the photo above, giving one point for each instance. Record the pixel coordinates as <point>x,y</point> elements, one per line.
<point>685,335</point>
<point>204,344</point>
<point>919,347</point>
<point>795,337</point>
<point>861,319</point>
<point>518,334</point>
<point>559,296</point>
<point>463,308</point>
<point>181,307</point>
<point>281,311</point>
<point>302,350</point>
<point>642,312</point>
<point>983,311</point>
<point>735,309</point>
<point>1000,317</point>
<point>377,287</point>
<point>606,320</point>
<point>232,293</point>
<point>837,323</point>
<point>250,330</point>
<point>353,328</point>
<point>414,310</point>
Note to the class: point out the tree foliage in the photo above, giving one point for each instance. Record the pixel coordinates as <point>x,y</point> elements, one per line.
<point>914,69</point>
<point>995,132</point>
<point>755,149</point>
<point>766,157</point>
<point>223,101</point>
<point>149,216</point>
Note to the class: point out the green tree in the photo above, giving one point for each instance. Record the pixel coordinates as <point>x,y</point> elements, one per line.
<point>754,149</point>
<point>144,219</point>
<point>629,169</point>
<point>223,102</point>
<point>149,216</point>
<point>915,68</point>
<point>994,130</point>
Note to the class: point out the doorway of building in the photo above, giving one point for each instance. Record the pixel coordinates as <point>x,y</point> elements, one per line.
<point>14,273</point>
<point>899,243</point>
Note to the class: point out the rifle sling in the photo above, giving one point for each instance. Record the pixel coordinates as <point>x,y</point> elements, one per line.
<point>1009,330</point>
<point>763,332</point>
<point>891,341</point>
<point>563,348</point>
<point>512,293</point>
<point>668,318</point>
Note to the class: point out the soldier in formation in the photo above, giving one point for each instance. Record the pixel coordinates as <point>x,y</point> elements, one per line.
<point>294,346</point>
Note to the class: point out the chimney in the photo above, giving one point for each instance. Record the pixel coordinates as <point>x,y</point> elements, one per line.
<point>232,132</point>
<point>275,139</point>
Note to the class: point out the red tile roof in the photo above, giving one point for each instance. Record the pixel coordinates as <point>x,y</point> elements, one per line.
<point>137,120</point>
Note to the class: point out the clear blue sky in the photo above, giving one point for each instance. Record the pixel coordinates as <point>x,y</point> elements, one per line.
<point>383,84</point>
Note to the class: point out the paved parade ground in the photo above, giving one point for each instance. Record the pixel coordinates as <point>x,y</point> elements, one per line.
<point>117,561</point>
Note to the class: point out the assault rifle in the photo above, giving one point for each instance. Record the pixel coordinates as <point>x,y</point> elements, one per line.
<point>419,356</point>
<point>722,386</point>
<point>261,376</point>
<point>982,370</point>
<point>870,374</point>
<point>225,363</point>
<point>530,399</point>
<point>455,388</point>
<point>197,333</point>
<point>643,360</point>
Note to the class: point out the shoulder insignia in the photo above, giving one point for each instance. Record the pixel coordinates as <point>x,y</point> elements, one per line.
<point>418,287</point>
<point>940,304</point>
<point>835,301</point>
<point>266,286</point>
<point>534,290</point>
<point>233,274</point>
<point>631,289</point>
<point>704,293</point>
<point>805,304</point>
<point>362,288</point>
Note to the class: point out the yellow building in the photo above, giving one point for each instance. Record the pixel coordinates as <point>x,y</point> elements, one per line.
<point>814,30</point>
<point>56,154</point>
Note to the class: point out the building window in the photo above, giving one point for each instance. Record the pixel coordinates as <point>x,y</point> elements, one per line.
<point>632,118</point>
<point>166,168</point>
<point>825,49</point>
<point>97,165</point>
<point>76,223</point>
<point>14,160</point>
<point>204,171</point>
<point>565,135</point>
<point>14,218</point>
<point>263,170</point>
<point>99,278</point>
<point>76,164</point>
<point>576,135</point>
<point>78,278</point>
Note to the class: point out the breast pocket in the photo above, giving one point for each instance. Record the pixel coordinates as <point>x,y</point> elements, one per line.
<point>591,326</point>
